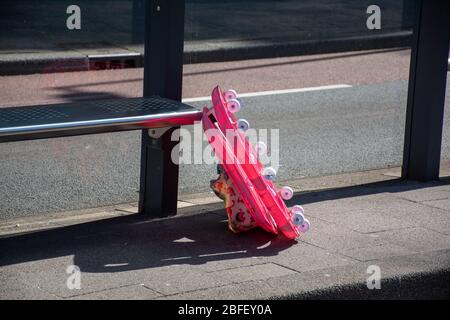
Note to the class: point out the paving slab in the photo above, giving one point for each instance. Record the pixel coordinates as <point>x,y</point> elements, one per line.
<point>433,193</point>
<point>366,220</point>
<point>181,278</point>
<point>305,257</point>
<point>319,283</point>
<point>330,236</point>
<point>426,217</point>
<point>15,288</point>
<point>439,203</point>
<point>193,256</point>
<point>254,272</point>
<point>133,292</point>
<point>377,252</point>
<point>418,239</point>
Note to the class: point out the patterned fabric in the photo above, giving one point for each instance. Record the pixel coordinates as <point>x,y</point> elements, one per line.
<point>239,218</point>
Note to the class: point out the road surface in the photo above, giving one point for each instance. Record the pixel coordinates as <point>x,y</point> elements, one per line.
<point>358,126</point>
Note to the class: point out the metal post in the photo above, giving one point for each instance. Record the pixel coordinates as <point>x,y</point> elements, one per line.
<point>163,72</point>
<point>409,14</point>
<point>426,91</point>
<point>137,32</point>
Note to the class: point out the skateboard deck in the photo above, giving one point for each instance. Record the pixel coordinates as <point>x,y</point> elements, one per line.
<point>242,166</point>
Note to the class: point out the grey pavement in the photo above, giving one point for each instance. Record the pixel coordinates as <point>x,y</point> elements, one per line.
<point>358,220</point>
<point>321,133</point>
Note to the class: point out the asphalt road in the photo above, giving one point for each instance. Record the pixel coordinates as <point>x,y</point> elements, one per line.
<point>321,132</point>
<point>29,25</point>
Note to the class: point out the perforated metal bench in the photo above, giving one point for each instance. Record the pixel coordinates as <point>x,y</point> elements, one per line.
<point>69,119</point>
<point>159,174</point>
<point>163,74</point>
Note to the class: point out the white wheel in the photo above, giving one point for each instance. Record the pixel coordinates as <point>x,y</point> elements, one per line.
<point>269,173</point>
<point>304,227</point>
<point>260,148</point>
<point>233,105</point>
<point>298,218</point>
<point>243,124</point>
<point>286,193</point>
<point>229,95</point>
<point>298,208</point>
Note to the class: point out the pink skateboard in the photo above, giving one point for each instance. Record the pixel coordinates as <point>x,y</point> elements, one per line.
<point>247,177</point>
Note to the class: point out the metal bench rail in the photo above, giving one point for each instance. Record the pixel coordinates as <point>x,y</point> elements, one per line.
<point>68,119</point>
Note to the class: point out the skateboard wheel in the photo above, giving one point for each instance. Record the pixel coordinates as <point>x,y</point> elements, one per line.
<point>230,95</point>
<point>298,208</point>
<point>298,218</point>
<point>304,227</point>
<point>269,173</point>
<point>243,124</point>
<point>233,105</point>
<point>286,193</point>
<point>261,148</point>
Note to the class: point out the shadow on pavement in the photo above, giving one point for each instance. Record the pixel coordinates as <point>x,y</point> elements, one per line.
<point>134,242</point>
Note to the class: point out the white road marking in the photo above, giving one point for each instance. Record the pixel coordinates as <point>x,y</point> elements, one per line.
<point>116,264</point>
<point>221,253</point>
<point>177,258</point>
<point>275,92</point>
